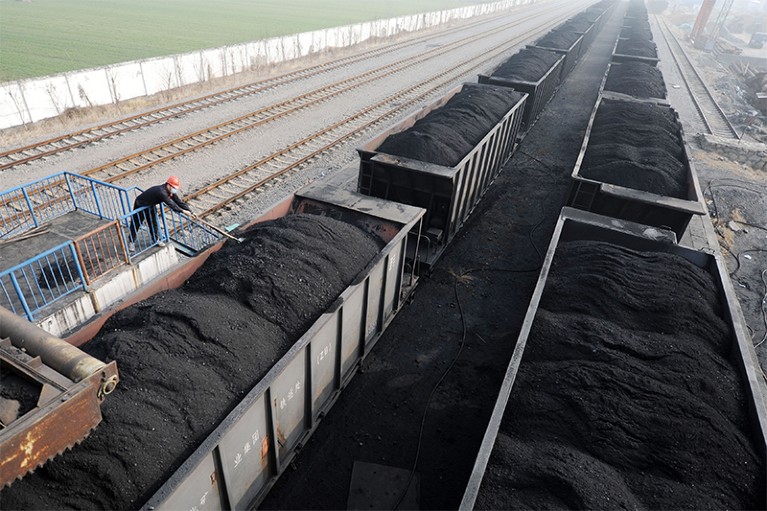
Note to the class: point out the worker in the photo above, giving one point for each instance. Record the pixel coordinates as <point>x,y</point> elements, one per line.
<point>166,193</point>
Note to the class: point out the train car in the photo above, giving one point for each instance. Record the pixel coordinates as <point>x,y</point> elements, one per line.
<point>448,192</point>
<point>617,177</point>
<point>634,80</point>
<point>565,43</point>
<point>601,403</point>
<point>516,73</point>
<point>235,464</point>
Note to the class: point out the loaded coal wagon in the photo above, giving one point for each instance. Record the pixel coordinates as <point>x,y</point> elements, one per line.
<point>443,158</point>
<point>225,377</point>
<point>634,164</point>
<point>633,383</point>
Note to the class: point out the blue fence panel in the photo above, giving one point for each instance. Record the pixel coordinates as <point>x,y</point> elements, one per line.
<point>98,198</point>
<point>26,207</point>
<point>38,282</point>
<point>138,229</point>
<point>188,232</point>
<point>15,215</point>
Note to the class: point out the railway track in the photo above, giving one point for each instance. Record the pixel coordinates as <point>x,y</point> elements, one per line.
<point>69,141</point>
<point>712,119</point>
<point>214,196</point>
<point>236,186</point>
<point>144,160</point>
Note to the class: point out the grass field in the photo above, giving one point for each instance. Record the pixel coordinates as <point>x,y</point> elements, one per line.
<point>42,37</point>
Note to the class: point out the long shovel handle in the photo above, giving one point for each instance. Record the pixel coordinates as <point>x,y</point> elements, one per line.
<point>217,229</point>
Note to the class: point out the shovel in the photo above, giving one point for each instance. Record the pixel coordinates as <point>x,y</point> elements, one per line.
<point>218,229</point>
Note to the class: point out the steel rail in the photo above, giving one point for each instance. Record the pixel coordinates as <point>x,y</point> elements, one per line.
<point>213,197</point>
<point>19,155</point>
<point>714,120</point>
<point>144,160</point>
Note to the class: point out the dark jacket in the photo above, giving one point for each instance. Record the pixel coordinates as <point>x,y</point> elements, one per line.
<point>157,194</point>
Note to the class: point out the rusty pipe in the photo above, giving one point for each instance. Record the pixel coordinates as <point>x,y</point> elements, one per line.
<point>56,353</point>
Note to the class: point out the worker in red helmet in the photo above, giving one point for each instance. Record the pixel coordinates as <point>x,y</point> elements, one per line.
<point>166,193</point>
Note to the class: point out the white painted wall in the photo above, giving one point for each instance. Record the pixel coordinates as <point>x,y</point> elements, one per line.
<point>31,100</point>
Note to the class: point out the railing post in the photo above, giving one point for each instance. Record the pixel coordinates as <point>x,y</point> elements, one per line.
<point>164,222</point>
<point>20,294</point>
<point>78,264</point>
<point>97,199</point>
<point>31,208</point>
<point>71,193</point>
<point>125,203</point>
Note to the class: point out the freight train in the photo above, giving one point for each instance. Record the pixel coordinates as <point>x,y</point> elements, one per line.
<point>285,366</point>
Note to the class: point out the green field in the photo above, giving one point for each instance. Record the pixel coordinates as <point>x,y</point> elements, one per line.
<point>42,37</point>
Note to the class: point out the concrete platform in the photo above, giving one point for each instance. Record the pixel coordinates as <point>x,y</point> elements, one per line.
<point>68,313</point>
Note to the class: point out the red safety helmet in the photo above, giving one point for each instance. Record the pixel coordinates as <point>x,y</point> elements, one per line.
<point>174,182</point>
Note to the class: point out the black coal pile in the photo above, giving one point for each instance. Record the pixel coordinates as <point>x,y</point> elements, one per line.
<point>559,39</point>
<point>636,145</point>
<point>17,396</point>
<point>576,25</point>
<point>637,79</point>
<point>446,135</point>
<point>187,356</point>
<point>637,32</point>
<point>626,397</point>
<point>528,65</point>
<point>637,47</point>
<point>591,15</point>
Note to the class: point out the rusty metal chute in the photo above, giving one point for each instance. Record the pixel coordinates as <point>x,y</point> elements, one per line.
<point>62,386</point>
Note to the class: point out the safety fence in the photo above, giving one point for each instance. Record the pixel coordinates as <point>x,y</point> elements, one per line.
<point>72,266</point>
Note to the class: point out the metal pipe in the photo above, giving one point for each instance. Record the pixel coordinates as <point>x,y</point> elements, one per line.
<point>54,352</point>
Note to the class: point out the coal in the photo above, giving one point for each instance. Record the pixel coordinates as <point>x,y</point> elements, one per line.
<point>637,32</point>
<point>559,39</point>
<point>636,47</point>
<point>576,25</point>
<point>187,356</point>
<point>591,15</point>
<point>447,134</point>
<point>637,79</point>
<point>14,388</point>
<point>636,145</point>
<point>625,396</point>
<point>528,65</point>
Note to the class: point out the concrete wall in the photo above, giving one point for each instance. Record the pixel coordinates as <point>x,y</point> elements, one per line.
<point>28,101</point>
<point>748,153</point>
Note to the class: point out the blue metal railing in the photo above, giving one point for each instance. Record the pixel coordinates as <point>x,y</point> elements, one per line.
<point>36,283</point>
<point>42,280</point>
<point>170,226</point>
<point>28,206</point>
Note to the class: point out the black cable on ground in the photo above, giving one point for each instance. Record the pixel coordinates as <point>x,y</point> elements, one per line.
<point>710,188</point>
<point>764,309</point>
<point>431,395</point>
<point>460,349</point>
